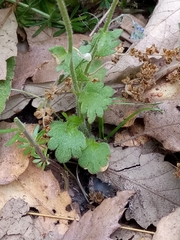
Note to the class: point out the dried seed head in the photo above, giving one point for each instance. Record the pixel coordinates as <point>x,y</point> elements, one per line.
<point>153,49</point>
<point>39,113</point>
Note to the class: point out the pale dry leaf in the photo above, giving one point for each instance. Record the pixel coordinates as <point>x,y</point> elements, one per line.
<point>165,126</point>
<point>63,102</point>
<point>41,190</point>
<point>153,180</point>
<point>169,227</point>
<point>161,30</point>
<point>15,224</point>
<point>46,72</point>
<point>102,222</point>
<point>126,66</point>
<point>14,105</point>
<point>163,91</point>
<point>12,161</point>
<point>8,39</point>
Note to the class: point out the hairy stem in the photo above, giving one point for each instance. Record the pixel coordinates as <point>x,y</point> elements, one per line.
<point>33,143</point>
<point>68,26</point>
<point>109,17</point>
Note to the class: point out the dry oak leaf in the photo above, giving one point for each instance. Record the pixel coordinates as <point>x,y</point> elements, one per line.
<point>153,180</point>
<point>168,228</point>
<point>41,190</point>
<point>8,39</point>
<point>12,161</point>
<point>102,222</point>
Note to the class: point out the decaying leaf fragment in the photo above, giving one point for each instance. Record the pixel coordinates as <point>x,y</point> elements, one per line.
<point>102,222</point>
<point>169,227</point>
<point>15,224</point>
<point>41,191</point>
<point>153,180</point>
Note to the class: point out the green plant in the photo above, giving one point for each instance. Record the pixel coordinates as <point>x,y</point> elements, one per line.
<point>83,69</point>
<point>44,13</point>
<point>73,138</point>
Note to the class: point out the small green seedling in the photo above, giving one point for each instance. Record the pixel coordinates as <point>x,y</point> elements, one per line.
<point>33,145</point>
<point>73,138</point>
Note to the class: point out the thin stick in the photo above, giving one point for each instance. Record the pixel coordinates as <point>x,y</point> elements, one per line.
<point>137,230</point>
<point>100,21</point>
<point>52,216</point>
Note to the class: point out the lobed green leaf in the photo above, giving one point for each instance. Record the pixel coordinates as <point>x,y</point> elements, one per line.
<point>94,99</point>
<point>94,156</point>
<point>66,140</point>
<point>63,58</point>
<point>106,42</point>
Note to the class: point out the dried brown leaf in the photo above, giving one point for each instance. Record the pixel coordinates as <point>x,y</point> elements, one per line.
<point>12,161</point>
<point>41,191</point>
<point>38,62</point>
<point>163,91</point>
<point>157,189</point>
<point>128,137</point>
<point>102,222</point>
